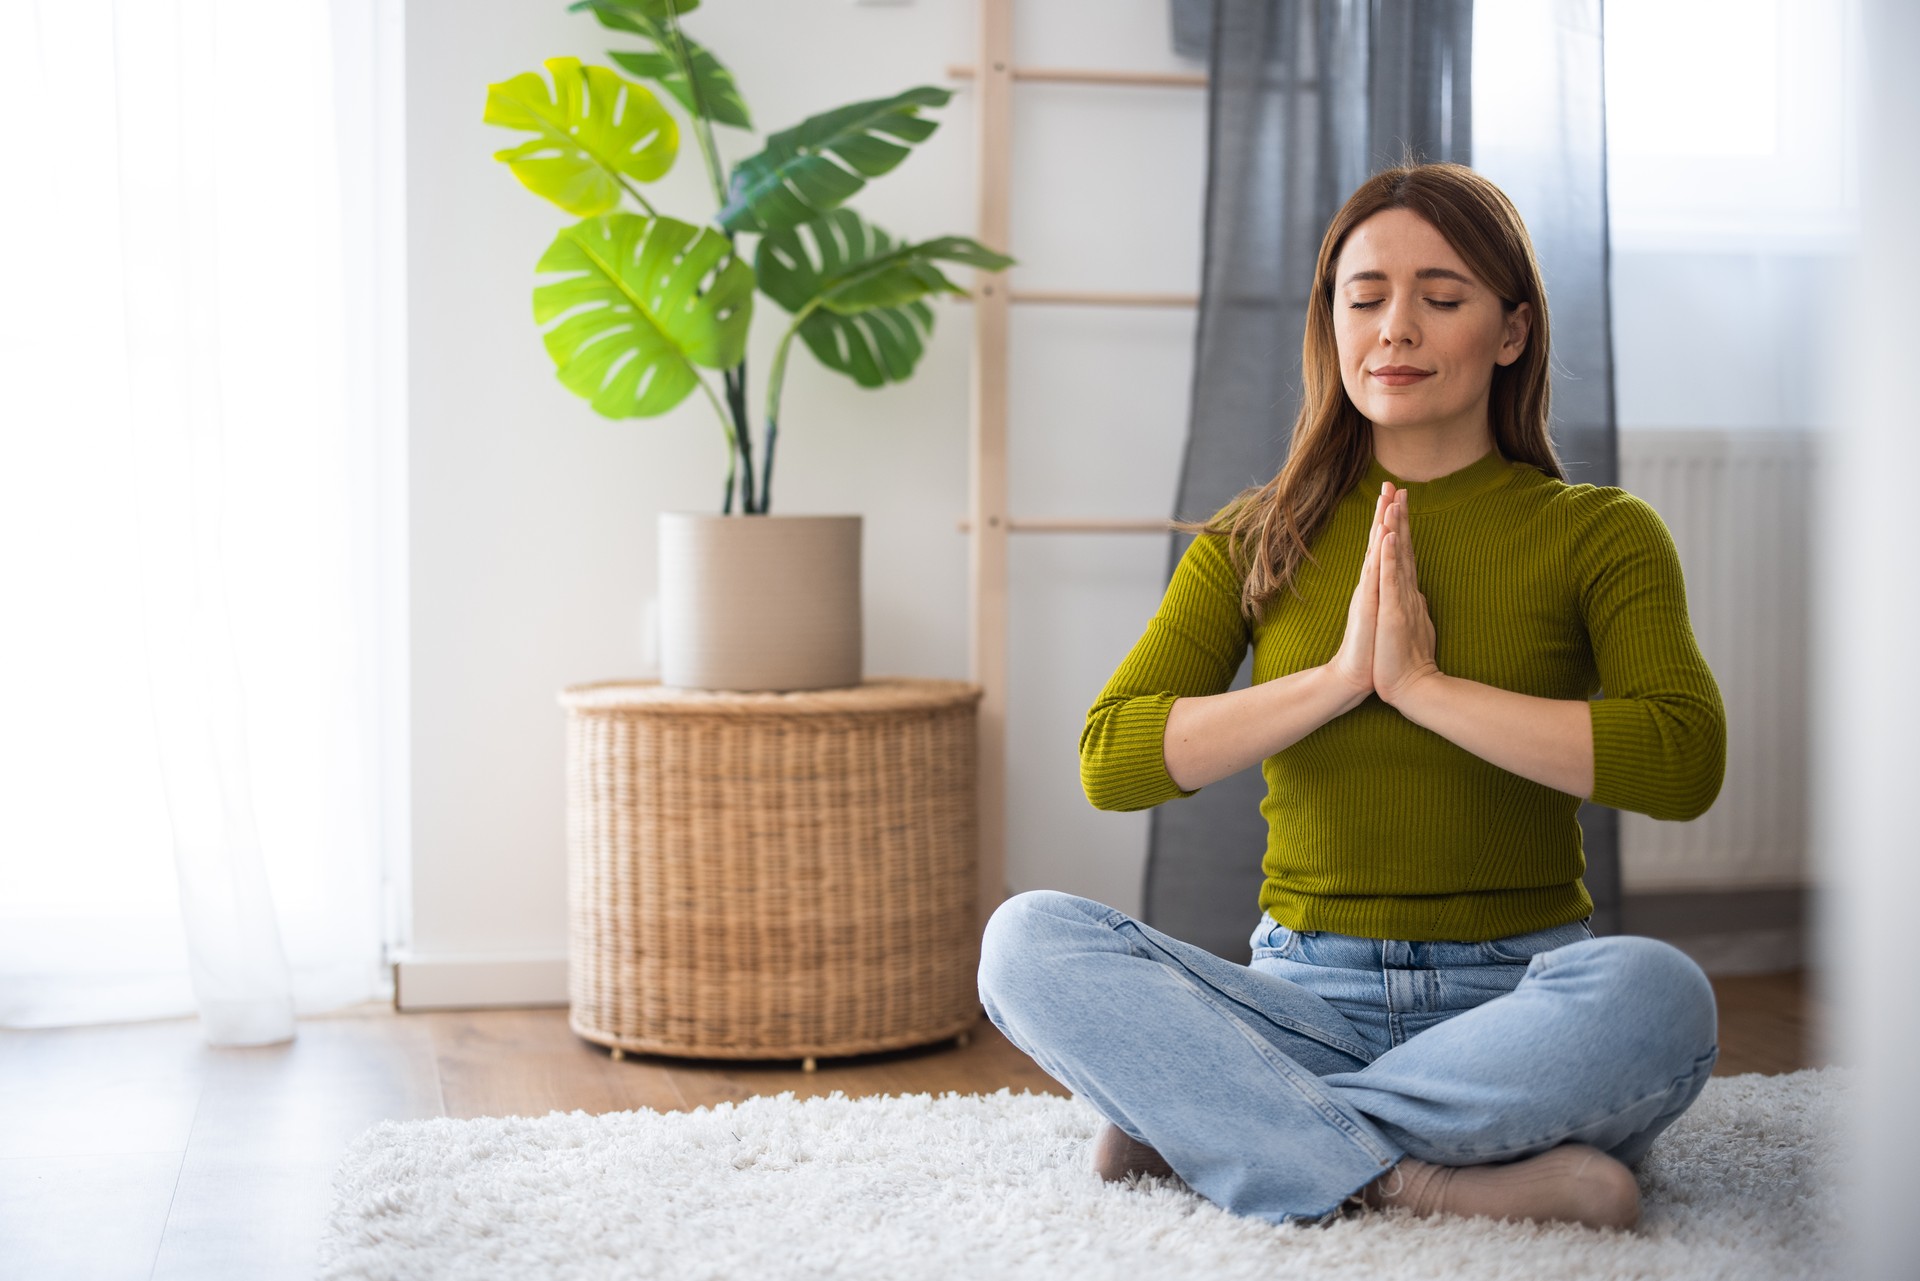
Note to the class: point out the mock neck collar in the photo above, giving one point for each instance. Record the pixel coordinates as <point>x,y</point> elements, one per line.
<point>1483,476</point>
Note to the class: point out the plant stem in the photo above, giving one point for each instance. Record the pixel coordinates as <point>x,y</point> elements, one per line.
<point>635,193</point>
<point>702,126</point>
<point>766,473</point>
<point>735,380</point>
<point>775,377</point>
<point>733,448</point>
<point>741,442</point>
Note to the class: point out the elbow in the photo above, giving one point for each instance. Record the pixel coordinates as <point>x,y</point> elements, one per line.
<point>1101,778</point>
<point>1689,809</point>
<point>1707,776</point>
<point>1662,758</point>
<point>1095,780</point>
<point>1709,789</point>
<point>1115,780</point>
<point>1121,762</point>
<point>1102,788</point>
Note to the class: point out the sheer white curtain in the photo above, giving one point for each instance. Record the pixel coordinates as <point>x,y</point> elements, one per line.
<point>196,549</point>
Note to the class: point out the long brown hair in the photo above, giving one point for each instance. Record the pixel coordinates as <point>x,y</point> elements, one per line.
<point>1269,527</point>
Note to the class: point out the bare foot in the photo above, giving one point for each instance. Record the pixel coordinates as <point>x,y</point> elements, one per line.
<point>1573,1183</point>
<point>1117,1154</point>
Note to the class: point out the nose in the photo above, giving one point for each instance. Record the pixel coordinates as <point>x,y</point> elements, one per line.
<point>1397,325</point>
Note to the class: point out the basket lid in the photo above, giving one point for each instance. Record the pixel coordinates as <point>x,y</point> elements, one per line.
<point>878,694</point>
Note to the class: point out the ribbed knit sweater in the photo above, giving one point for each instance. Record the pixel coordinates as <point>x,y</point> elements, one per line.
<point>1379,827</point>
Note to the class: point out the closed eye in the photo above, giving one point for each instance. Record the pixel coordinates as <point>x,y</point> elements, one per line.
<point>1444,304</point>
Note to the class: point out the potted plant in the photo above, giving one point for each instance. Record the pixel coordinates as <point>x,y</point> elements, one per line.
<point>641,303</point>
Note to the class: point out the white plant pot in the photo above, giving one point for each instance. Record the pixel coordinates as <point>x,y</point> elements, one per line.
<point>759,602</point>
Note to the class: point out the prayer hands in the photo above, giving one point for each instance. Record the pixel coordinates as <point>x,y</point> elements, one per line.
<point>1389,642</point>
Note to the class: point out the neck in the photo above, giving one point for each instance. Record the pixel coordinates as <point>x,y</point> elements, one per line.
<point>1414,453</point>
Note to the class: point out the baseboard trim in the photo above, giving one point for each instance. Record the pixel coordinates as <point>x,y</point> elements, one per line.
<point>478,981</point>
<point>1737,931</point>
<point>1777,951</point>
<point>1699,911</point>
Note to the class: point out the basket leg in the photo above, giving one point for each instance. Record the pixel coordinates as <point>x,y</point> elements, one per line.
<point>808,1065</point>
<point>618,1054</point>
<point>963,1040</point>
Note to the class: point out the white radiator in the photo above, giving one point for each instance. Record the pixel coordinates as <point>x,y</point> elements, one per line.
<point>1738,504</point>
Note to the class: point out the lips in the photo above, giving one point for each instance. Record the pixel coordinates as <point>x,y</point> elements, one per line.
<point>1399,375</point>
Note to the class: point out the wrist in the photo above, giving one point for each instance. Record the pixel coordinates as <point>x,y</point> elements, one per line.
<point>1343,693</point>
<point>1417,692</point>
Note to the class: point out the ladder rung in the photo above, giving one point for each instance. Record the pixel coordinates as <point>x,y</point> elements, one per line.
<point>1078,75</point>
<point>1076,525</point>
<point>1096,298</point>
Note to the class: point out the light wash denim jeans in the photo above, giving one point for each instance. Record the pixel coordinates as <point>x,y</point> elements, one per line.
<point>1279,1089</point>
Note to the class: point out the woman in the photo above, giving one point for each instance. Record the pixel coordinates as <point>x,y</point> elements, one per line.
<point>1428,1021</point>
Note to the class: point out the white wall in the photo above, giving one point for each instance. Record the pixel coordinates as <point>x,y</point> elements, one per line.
<point>1723,333</point>
<point>532,518</point>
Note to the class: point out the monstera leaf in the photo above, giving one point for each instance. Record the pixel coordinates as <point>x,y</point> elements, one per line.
<point>718,98</point>
<point>621,14</point>
<point>592,126</point>
<point>861,303</point>
<point>793,180</point>
<point>654,299</point>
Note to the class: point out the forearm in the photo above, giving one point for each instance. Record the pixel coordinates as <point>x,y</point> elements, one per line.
<point>1214,735</point>
<point>1548,740</point>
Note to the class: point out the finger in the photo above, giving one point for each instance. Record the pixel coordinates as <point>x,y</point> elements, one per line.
<point>1396,570</point>
<point>1405,523</point>
<point>1370,567</point>
<point>1403,580</point>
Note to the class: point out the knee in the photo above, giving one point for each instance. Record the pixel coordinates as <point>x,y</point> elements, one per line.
<point>1020,934</point>
<point>1667,989</point>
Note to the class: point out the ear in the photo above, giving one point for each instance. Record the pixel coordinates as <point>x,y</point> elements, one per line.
<point>1513,342</point>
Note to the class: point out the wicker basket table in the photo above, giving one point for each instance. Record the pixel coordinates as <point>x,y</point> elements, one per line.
<point>771,876</point>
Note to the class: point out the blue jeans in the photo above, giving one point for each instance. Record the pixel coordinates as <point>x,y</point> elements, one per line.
<point>1279,1089</point>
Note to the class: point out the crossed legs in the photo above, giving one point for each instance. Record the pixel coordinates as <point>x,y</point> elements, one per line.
<point>1267,1101</point>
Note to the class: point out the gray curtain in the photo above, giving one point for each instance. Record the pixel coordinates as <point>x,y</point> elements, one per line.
<point>1306,99</point>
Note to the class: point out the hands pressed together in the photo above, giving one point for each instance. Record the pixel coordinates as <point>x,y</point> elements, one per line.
<point>1389,644</point>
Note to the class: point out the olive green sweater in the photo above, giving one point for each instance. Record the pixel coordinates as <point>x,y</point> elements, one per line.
<point>1378,827</point>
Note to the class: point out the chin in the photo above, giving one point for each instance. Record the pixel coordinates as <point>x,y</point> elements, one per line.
<point>1388,412</point>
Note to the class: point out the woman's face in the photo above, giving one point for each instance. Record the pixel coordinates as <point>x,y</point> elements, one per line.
<point>1417,333</point>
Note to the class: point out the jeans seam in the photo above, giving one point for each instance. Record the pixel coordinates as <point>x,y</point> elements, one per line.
<point>1303,1083</point>
<point>1352,1049</point>
<point>1683,1081</point>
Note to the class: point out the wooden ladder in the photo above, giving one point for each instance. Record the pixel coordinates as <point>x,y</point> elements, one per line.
<point>989,521</point>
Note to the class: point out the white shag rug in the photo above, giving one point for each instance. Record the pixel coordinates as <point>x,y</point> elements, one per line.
<point>999,1186</point>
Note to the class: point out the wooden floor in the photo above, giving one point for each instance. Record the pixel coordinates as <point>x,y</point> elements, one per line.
<point>136,1151</point>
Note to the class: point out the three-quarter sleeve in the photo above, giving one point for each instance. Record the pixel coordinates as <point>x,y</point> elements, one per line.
<point>1192,646</point>
<point>1659,727</point>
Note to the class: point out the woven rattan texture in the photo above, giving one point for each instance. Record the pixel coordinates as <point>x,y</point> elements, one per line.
<point>772,875</point>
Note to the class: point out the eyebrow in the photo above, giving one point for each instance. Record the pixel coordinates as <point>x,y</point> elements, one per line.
<point>1425,273</point>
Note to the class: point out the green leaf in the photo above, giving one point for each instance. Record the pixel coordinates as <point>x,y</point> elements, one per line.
<point>622,14</point>
<point>793,180</point>
<point>646,300</point>
<point>593,127</point>
<point>719,98</point>
<point>870,322</point>
<point>908,273</point>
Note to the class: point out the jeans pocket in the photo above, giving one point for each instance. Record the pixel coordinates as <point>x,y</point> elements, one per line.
<point>1273,941</point>
<point>1520,949</point>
